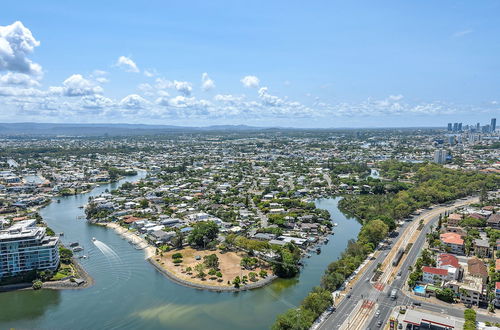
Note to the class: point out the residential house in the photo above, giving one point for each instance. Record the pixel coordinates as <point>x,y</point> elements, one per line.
<point>494,221</point>
<point>481,247</point>
<point>477,268</point>
<point>454,219</point>
<point>497,294</point>
<point>450,263</point>
<point>433,274</point>
<point>454,241</point>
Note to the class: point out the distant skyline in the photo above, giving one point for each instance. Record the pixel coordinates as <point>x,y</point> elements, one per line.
<point>288,64</point>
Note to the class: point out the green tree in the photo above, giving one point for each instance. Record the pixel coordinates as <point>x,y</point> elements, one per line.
<point>374,232</point>
<point>286,263</point>
<point>294,319</point>
<point>37,285</point>
<point>237,282</point>
<point>211,261</point>
<point>446,294</point>
<point>65,255</point>
<point>318,300</point>
<point>203,233</point>
<point>178,239</point>
<point>200,269</point>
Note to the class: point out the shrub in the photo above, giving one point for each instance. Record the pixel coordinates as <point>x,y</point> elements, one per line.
<point>37,284</point>
<point>177,255</point>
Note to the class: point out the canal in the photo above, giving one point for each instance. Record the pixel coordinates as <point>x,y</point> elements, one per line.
<point>130,294</point>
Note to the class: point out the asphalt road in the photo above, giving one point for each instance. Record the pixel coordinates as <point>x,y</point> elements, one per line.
<point>363,289</point>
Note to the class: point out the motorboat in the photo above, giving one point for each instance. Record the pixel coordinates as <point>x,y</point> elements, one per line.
<point>77,249</point>
<point>94,239</point>
<point>73,244</point>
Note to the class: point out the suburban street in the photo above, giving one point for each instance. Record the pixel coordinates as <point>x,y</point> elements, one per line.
<point>350,314</point>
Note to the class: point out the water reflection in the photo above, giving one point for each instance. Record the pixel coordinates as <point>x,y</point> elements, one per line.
<point>27,304</point>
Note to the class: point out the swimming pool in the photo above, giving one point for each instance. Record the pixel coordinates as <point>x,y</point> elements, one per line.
<point>419,289</point>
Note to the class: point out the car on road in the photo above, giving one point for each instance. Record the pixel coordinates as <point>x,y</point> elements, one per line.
<point>394,294</point>
<point>377,314</point>
<point>379,323</point>
<point>417,303</point>
<point>348,295</point>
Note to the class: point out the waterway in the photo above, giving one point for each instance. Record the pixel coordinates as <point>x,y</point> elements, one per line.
<point>130,294</point>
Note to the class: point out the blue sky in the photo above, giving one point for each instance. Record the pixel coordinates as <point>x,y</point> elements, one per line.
<point>307,64</point>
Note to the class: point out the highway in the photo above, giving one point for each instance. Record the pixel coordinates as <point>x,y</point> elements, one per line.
<point>348,316</point>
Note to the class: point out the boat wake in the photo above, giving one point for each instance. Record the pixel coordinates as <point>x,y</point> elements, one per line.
<point>106,250</point>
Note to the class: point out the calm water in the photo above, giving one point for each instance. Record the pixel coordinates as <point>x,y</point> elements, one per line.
<point>130,294</point>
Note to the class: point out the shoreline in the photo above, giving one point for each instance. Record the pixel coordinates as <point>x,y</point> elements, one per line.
<point>171,276</point>
<point>149,250</point>
<point>65,284</point>
<point>150,253</point>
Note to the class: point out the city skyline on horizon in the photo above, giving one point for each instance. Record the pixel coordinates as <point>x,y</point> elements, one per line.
<point>173,64</point>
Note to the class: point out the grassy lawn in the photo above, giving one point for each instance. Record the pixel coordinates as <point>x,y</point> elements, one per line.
<point>63,271</point>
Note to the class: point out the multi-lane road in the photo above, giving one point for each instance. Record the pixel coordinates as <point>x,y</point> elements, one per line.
<point>350,315</point>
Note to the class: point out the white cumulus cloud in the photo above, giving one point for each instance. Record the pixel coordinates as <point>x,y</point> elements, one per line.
<point>134,101</point>
<point>77,85</point>
<point>207,83</point>
<point>19,79</point>
<point>127,64</point>
<point>16,43</point>
<point>183,87</point>
<point>250,81</point>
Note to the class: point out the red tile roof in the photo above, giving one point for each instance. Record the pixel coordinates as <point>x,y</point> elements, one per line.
<point>451,238</point>
<point>455,216</point>
<point>448,259</point>
<point>435,271</point>
<point>477,267</point>
<point>497,265</point>
<point>497,285</point>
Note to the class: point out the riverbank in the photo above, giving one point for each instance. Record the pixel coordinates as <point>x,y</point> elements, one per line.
<point>176,275</point>
<point>200,286</point>
<point>138,241</point>
<point>81,280</point>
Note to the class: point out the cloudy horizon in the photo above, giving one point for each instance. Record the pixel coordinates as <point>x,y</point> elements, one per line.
<point>190,70</point>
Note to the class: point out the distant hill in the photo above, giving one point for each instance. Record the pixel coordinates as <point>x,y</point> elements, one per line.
<point>49,129</point>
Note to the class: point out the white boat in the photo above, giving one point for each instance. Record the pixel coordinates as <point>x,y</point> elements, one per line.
<point>77,249</point>
<point>94,239</point>
<point>335,224</point>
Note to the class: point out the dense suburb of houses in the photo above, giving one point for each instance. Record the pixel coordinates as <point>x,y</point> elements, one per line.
<point>464,257</point>
<point>259,186</point>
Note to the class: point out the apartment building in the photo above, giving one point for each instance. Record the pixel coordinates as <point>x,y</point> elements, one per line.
<point>25,247</point>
